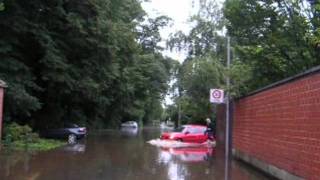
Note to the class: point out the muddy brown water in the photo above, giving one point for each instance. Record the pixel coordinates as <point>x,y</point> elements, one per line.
<point>123,155</point>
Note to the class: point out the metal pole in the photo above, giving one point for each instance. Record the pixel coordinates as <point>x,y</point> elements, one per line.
<point>227,135</point>
<point>227,145</point>
<point>179,113</point>
<point>179,105</point>
<point>1,109</point>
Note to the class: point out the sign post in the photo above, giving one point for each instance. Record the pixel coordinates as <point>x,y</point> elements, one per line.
<point>1,109</point>
<point>216,96</point>
<point>228,143</point>
<point>2,86</point>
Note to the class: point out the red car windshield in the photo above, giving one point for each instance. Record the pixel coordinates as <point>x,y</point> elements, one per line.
<point>179,129</point>
<point>191,130</point>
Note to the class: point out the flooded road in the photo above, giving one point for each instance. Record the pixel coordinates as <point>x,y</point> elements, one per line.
<point>122,155</point>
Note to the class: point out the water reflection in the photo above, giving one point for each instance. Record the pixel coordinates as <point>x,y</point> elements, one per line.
<point>116,156</point>
<point>177,172</point>
<point>75,148</point>
<point>188,154</point>
<point>227,167</point>
<point>129,131</point>
<point>175,159</point>
<point>9,160</point>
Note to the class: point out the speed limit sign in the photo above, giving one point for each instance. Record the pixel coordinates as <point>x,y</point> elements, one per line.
<point>216,96</point>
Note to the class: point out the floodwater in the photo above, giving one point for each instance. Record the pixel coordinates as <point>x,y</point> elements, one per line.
<point>123,155</point>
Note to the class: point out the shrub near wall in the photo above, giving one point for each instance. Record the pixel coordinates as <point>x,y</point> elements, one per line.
<point>19,137</point>
<point>281,125</point>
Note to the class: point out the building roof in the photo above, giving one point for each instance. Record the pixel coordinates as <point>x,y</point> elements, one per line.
<point>3,84</point>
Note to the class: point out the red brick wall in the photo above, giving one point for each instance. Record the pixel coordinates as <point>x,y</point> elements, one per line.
<point>281,126</point>
<point>221,125</point>
<point>1,109</point>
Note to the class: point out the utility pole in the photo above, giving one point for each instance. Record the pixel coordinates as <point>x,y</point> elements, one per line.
<point>179,114</point>
<point>227,135</point>
<point>228,100</point>
<point>3,85</point>
<point>179,101</point>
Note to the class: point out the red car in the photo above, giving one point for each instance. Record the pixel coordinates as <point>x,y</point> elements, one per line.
<point>188,133</point>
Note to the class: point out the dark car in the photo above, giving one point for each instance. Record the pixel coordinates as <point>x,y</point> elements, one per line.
<point>72,132</point>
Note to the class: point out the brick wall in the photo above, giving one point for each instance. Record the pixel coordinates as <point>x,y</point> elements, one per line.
<point>1,109</point>
<point>221,125</point>
<point>281,125</point>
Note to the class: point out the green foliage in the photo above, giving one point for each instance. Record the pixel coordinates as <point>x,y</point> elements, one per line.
<point>204,67</point>
<point>22,138</point>
<point>197,78</point>
<point>277,39</point>
<point>15,132</point>
<point>149,35</point>
<point>240,74</point>
<point>204,38</point>
<point>91,62</point>
<point>270,40</point>
<point>2,7</point>
<point>40,145</point>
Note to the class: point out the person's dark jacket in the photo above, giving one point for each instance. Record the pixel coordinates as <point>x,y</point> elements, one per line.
<point>210,130</point>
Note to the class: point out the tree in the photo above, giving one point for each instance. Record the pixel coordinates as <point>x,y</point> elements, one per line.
<point>81,61</point>
<point>203,68</point>
<point>275,39</point>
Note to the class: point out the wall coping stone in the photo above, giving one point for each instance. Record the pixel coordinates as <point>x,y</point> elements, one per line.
<point>284,81</point>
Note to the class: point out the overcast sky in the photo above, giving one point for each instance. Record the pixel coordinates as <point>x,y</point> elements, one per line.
<point>179,11</point>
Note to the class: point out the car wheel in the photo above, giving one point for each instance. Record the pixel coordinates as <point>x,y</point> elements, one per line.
<point>72,138</point>
<point>180,140</point>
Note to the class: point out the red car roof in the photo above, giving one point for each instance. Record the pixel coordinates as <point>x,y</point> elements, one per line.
<point>194,125</point>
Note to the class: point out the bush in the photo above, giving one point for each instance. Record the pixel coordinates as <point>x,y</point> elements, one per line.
<point>15,132</point>
<point>22,138</point>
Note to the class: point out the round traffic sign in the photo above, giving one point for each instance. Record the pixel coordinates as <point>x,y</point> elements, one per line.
<point>216,94</point>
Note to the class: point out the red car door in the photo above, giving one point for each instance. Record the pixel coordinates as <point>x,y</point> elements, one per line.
<point>193,135</point>
<point>202,136</point>
<point>189,135</point>
<point>198,136</point>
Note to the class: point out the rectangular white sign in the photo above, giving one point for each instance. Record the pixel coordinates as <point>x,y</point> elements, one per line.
<point>216,96</point>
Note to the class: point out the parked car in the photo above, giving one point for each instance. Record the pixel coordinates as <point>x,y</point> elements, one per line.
<point>187,133</point>
<point>70,131</point>
<point>129,124</point>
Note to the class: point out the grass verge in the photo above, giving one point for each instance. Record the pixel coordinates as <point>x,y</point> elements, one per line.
<point>18,137</point>
<point>39,145</point>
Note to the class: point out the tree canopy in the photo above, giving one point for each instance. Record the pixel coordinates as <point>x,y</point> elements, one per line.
<point>276,38</point>
<point>93,62</point>
<point>99,62</point>
<point>270,40</point>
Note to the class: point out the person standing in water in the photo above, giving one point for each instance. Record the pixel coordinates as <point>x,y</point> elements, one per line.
<point>210,129</point>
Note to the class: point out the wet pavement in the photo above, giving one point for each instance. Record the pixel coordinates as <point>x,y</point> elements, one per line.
<point>123,155</point>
